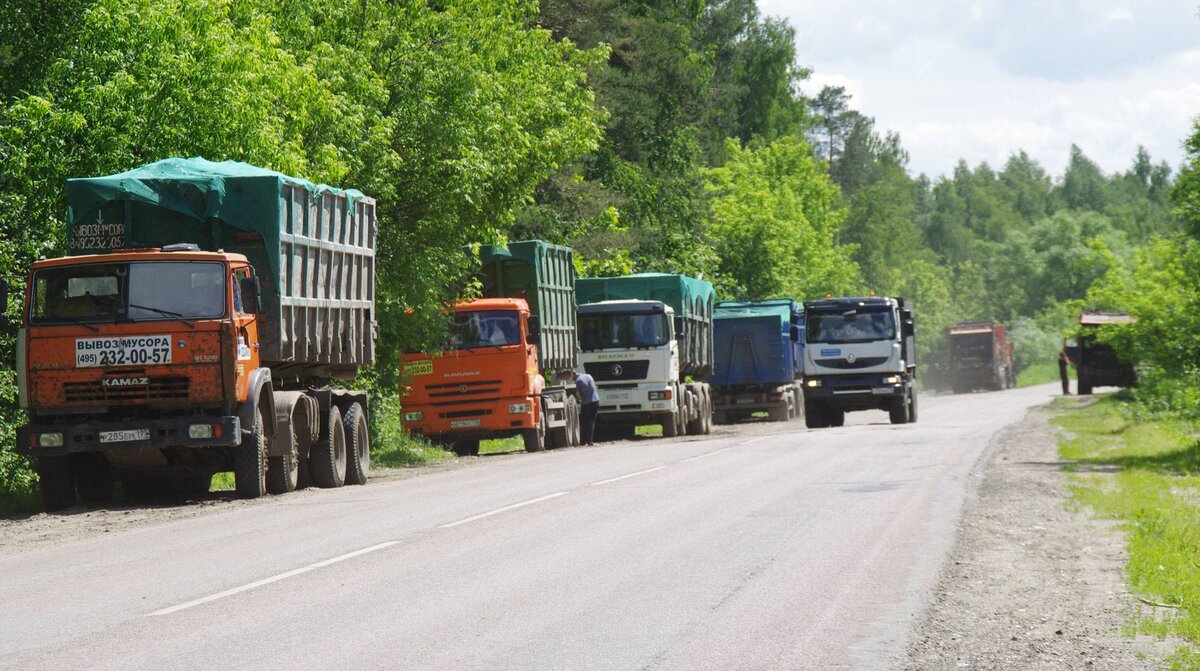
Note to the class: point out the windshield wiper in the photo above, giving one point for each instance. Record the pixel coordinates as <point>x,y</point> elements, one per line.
<point>165,313</point>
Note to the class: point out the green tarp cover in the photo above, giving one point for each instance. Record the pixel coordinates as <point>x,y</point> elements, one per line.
<point>176,200</point>
<point>688,296</point>
<point>783,308</point>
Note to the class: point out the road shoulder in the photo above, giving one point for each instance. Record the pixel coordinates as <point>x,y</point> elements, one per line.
<point>1031,582</point>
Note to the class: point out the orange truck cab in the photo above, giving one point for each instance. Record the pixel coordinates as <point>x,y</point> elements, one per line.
<point>507,365</point>
<point>158,365</point>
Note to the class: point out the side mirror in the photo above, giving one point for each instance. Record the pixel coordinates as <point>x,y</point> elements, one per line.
<point>535,330</point>
<point>678,325</point>
<point>250,287</point>
<point>795,333</point>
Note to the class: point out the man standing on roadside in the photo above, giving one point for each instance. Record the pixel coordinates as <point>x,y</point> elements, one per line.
<point>589,400</point>
<point>1062,372</point>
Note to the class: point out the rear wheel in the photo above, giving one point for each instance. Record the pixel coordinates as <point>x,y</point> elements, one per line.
<point>1084,386</point>
<point>535,438</point>
<point>327,461</point>
<point>912,407</point>
<point>358,445</point>
<point>707,413</point>
<point>56,484</point>
<point>467,447</point>
<point>250,462</point>
<point>695,427</point>
<point>573,422</point>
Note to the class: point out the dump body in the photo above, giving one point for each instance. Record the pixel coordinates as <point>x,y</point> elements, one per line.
<point>312,246</point>
<point>691,300</point>
<point>759,358</point>
<point>860,354</point>
<point>642,337</point>
<point>497,376</point>
<point>544,276</point>
<point>980,357</point>
<point>194,329</point>
<point>1096,363</point>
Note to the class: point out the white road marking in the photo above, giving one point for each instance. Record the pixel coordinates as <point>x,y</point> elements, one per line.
<point>753,440</point>
<point>267,581</point>
<point>705,455</point>
<point>505,508</point>
<point>629,475</point>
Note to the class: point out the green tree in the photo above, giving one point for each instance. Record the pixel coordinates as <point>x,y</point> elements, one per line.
<point>775,222</point>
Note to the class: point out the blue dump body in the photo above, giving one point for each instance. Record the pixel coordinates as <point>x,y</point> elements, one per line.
<point>754,345</point>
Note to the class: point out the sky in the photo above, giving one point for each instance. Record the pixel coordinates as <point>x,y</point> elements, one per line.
<point>979,80</point>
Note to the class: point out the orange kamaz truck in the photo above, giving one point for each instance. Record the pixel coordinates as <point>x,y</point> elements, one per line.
<point>507,368</point>
<point>199,324</point>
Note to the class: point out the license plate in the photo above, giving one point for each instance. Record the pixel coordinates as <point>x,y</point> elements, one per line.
<point>617,395</point>
<point>419,367</point>
<point>884,390</point>
<point>123,351</point>
<point>124,436</point>
<point>464,423</point>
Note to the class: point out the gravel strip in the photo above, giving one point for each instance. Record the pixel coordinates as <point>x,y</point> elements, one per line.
<point>1031,583</point>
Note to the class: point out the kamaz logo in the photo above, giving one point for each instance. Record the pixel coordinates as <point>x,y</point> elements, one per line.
<point>125,381</point>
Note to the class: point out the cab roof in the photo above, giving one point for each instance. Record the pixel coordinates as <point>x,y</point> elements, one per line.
<point>127,255</point>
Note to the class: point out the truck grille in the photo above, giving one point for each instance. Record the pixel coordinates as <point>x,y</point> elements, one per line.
<point>842,364</point>
<point>617,370</point>
<point>157,389</point>
<point>458,389</point>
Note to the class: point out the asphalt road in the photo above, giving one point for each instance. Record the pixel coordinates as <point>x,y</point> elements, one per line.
<point>766,546</point>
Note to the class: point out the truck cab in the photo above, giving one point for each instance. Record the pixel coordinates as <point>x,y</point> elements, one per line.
<point>484,384</point>
<point>630,350</point>
<point>860,354</point>
<point>490,378</point>
<point>124,357</point>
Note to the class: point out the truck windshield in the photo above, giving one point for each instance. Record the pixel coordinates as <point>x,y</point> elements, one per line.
<point>487,328</point>
<point>850,325</point>
<point>615,330</point>
<point>139,291</point>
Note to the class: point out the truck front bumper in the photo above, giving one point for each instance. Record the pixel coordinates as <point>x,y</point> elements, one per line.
<point>487,419</point>
<point>856,392</point>
<point>89,436</point>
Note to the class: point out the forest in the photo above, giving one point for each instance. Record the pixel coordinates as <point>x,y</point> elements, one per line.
<point>649,136</point>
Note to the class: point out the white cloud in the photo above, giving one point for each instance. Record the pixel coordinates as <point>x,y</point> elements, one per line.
<point>983,80</point>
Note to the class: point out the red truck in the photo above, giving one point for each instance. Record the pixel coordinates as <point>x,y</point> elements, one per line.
<point>980,357</point>
<point>199,324</point>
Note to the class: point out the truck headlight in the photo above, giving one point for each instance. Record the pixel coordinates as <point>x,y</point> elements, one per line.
<point>518,408</point>
<point>660,395</point>
<point>200,431</point>
<point>891,379</point>
<point>50,440</point>
<point>413,416</point>
<point>812,382</point>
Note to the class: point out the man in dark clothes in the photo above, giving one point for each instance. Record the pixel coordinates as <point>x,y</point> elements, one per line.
<point>589,398</point>
<point>1062,372</point>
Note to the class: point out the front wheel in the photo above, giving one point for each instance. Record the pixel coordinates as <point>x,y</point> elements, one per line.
<point>250,462</point>
<point>814,415</point>
<point>835,417</point>
<point>535,438</point>
<point>912,407</point>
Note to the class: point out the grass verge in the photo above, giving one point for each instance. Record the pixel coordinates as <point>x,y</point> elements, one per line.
<point>1042,373</point>
<point>1145,473</point>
